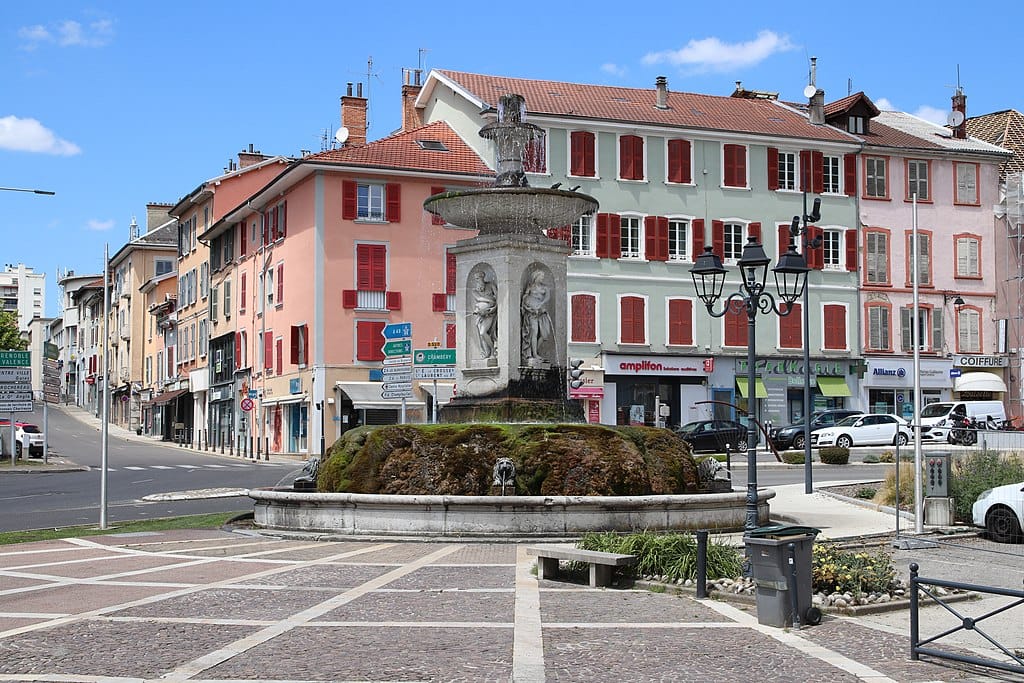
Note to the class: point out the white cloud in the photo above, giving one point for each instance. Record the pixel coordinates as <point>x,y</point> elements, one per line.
<point>884,104</point>
<point>932,114</point>
<point>28,135</point>
<point>98,225</point>
<point>613,69</point>
<point>68,33</point>
<point>711,54</point>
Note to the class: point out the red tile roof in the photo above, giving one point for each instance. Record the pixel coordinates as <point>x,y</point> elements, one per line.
<point>846,103</point>
<point>402,151</point>
<point>636,105</point>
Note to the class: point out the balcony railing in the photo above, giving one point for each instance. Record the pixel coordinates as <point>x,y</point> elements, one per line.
<point>372,300</point>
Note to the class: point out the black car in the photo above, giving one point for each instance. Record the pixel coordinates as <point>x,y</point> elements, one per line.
<point>713,435</point>
<point>792,436</point>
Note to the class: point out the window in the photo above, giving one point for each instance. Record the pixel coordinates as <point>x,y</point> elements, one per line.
<point>878,327</point>
<point>791,328</point>
<point>299,345</point>
<point>242,293</point>
<point>678,239</point>
<point>732,246</point>
<point>924,326</point>
<point>371,267</point>
<point>834,320</point>
<point>584,318</point>
<point>832,249</point>
<point>213,304</point>
<point>204,279</point>
<point>876,271</point>
<point>917,180</point>
<point>535,155</point>
<point>582,154</point>
<point>630,237</point>
<point>269,284</point>
<point>164,266</point>
<point>280,285</point>
<point>631,157</point>
<point>787,171</point>
<point>968,323</point>
<point>369,340</point>
<point>632,320</point>
<point>855,124</point>
<point>227,299</point>
<point>583,236</point>
<point>241,349</point>
<point>832,171</point>
<point>734,165</point>
<point>679,162</point>
<point>968,255</point>
<point>680,322</point>
<point>204,337</point>
<point>924,258</point>
<point>966,190</point>
<point>735,324</point>
<point>875,181</point>
<point>370,202</point>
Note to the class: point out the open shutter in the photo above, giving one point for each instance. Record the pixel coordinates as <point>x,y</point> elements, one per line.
<point>242,300</point>
<point>805,170</point>
<point>850,174</point>
<point>349,298</point>
<point>449,335</point>
<point>651,238</point>
<point>393,199</point>
<point>817,172</point>
<point>279,355</point>
<point>609,240</point>
<point>363,267</point>
<point>434,218</point>
<point>238,349</point>
<point>243,242</point>
<point>268,351</point>
<point>783,239</point>
<point>718,238</point>
<point>625,157</point>
<point>815,257</point>
<point>393,301</point>
<point>449,273</point>
<point>363,341</point>
<point>378,268</point>
<point>293,346</point>
<point>280,284</point>
<point>348,200</point>
<point>589,165</point>
<point>851,249</point>
<point>698,237</point>
<point>754,230</point>
<point>773,168</point>
<point>439,302</point>
<point>283,219</point>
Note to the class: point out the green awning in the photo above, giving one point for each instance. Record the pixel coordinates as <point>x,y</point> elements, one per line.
<point>759,388</point>
<point>834,386</point>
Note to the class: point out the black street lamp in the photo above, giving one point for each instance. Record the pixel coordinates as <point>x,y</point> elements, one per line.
<point>790,282</point>
<point>796,230</point>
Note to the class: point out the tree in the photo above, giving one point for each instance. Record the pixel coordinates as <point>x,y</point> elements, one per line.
<point>10,337</point>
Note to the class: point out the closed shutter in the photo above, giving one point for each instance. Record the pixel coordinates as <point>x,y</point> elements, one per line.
<point>656,238</point>
<point>850,174</point>
<point>238,349</point>
<point>279,355</point>
<point>280,284</point>
<point>434,218</point>
<point>449,272</point>
<point>631,157</point>
<point>851,249</point>
<point>371,264</point>
<point>784,238</point>
<point>349,202</point>
<point>369,340</point>
<point>268,351</point>
<point>349,298</point>
<point>393,201</point>
<point>817,172</point>
<point>439,302</point>
<point>718,238</point>
<point>773,168</point>
<point>584,318</point>
<point>735,173</point>
<point>791,328</point>
<point>393,301</point>
<point>680,322</point>
<point>294,345</point>
<point>609,230</point>
<point>735,324</point>
<point>582,154</point>
<point>449,335</point>
<point>698,237</point>
<point>679,169</point>
<point>242,294</point>
<point>243,240</point>
<point>835,327</point>
<point>632,320</point>
<point>754,230</point>
<point>805,170</point>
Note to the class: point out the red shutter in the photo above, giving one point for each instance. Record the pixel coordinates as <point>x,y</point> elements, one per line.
<point>439,302</point>
<point>783,239</point>
<point>562,234</point>
<point>651,238</point>
<point>369,340</point>
<point>735,325</point>
<point>584,318</point>
<point>850,174</point>
<point>449,335</point>
<point>773,168</point>
<point>393,202</point>
<point>815,257</point>
<point>305,344</point>
<point>349,298</point>
<point>268,352</point>
<point>577,164</point>
<point>679,161</point>
<point>279,346</point>
<point>698,237</point>
<point>735,174</point>
<point>790,329</point>
<point>348,200</point>
<point>835,327</point>
<point>434,218</point>
<point>280,284</point>
<point>805,170</point>
<point>680,322</point>
<point>625,157</point>
<point>275,225</point>
<point>243,242</point>
<point>662,245</point>
<point>393,301</point>
<point>378,268</point>
<point>718,238</point>
<point>293,347</point>
<point>817,172</point>
<point>609,235</point>
<point>363,267</point>
<point>632,320</point>
<point>449,272</point>
<point>851,250</point>
<point>242,294</point>
<point>589,166</point>
<point>238,349</point>
<point>754,230</point>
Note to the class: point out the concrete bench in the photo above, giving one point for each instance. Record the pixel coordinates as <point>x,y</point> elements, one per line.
<point>601,563</point>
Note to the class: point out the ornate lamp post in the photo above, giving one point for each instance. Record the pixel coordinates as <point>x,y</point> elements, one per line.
<point>796,230</point>
<point>790,280</point>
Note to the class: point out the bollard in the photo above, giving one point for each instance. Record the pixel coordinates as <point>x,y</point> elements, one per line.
<point>728,460</point>
<point>702,563</point>
<point>914,626</point>
<point>266,450</point>
<point>231,446</point>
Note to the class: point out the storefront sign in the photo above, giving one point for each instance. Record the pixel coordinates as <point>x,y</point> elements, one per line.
<point>933,374</point>
<point>295,385</point>
<point>586,392</point>
<point>618,364</point>
<point>963,360</point>
<point>594,412</point>
<point>765,367</point>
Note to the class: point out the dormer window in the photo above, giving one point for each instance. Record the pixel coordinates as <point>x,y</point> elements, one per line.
<point>856,124</point>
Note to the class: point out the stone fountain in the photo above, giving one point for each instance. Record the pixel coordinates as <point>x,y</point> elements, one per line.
<point>511,286</point>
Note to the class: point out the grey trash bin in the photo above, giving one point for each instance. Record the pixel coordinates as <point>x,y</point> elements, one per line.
<point>780,564</point>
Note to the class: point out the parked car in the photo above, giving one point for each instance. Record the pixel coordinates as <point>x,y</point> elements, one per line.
<point>792,436</point>
<point>863,430</point>
<point>713,435</point>
<point>938,419</point>
<point>28,437</point>
<point>1000,511</point>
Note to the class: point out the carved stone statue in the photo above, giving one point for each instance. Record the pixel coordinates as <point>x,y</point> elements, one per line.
<point>307,479</point>
<point>484,297</point>
<point>536,321</point>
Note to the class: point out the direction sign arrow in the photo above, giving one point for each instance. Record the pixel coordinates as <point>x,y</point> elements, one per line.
<point>15,374</point>
<point>16,407</point>
<point>396,394</point>
<point>395,370</point>
<point>397,386</point>
<point>399,377</point>
<point>398,360</point>
<point>398,347</point>
<point>397,331</point>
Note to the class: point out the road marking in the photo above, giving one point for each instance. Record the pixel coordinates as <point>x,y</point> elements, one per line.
<point>133,467</point>
<point>161,467</point>
<point>188,467</point>
<point>216,466</point>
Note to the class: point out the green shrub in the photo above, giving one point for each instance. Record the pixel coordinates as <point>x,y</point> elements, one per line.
<point>834,569</point>
<point>834,455</point>
<point>866,492</point>
<point>793,457</point>
<point>887,456</point>
<point>871,459</point>
<point>978,471</point>
<point>671,555</point>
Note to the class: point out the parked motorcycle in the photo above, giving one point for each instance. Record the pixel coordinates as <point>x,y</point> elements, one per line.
<point>963,432</point>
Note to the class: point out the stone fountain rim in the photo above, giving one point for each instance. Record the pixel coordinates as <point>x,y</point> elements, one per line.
<point>281,494</point>
<point>503,189</point>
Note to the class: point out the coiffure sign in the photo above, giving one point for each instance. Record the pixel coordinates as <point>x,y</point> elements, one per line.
<point>617,364</point>
<point>970,361</point>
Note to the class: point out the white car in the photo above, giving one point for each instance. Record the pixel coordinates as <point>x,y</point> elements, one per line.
<point>863,430</point>
<point>28,437</point>
<point>1000,511</point>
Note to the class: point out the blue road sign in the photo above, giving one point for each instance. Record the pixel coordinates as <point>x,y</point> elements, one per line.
<point>397,331</point>
<point>954,372</point>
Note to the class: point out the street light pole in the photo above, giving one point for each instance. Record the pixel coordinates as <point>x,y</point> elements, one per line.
<point>806,244</point>
<point>790,281</point>
<point>26,189</point>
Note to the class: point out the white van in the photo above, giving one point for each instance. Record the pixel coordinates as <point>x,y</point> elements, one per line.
<point>936,422</point>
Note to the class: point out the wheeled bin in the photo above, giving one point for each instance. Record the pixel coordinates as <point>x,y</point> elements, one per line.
<point>780,559</point>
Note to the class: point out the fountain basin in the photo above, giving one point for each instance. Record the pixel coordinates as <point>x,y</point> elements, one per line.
<point>498,516</point>
<point>515,210</point>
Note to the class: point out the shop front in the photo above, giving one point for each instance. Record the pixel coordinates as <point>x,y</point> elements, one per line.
<point>221,426</point>
<point>362,404</point>
<point>781,386</point>
<point>980,378</point>
<point>670,390</point>
<point>286,418</point>
<point>888,385</point>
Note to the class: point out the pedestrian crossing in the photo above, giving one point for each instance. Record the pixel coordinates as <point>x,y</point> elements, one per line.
<point>211,466</point>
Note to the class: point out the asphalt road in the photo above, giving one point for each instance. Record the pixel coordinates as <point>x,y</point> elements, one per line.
<point>136,469</point>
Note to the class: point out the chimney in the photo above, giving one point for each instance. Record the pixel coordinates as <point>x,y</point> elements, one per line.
<point>157,215</point>
<point>816,110</point>
<point>133,230</point>
<point>250,156</point>
<point>958,119</point>
<point>661,84</point>
<point>353,115</point>
<point>410,91</point>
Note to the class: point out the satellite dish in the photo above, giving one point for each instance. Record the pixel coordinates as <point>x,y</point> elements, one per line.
<point>956,118</point>
<point>342,135</point>
<point>809,91</point>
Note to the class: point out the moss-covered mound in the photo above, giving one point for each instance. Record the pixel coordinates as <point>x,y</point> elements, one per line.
<point>556,459</point>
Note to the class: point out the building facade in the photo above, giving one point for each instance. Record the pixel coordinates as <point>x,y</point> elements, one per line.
<point>23,292</point>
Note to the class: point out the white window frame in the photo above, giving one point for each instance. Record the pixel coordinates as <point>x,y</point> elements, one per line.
<point>365,205</point>
<point>626,236</point>
<point>730,225</point>
<point>789,170</point>
<point>832,174</point>
<point>837,236</point>
<point>681,249</point>
<point>582,236</point>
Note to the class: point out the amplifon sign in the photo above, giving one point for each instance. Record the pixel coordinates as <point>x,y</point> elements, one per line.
<point>618,364</point>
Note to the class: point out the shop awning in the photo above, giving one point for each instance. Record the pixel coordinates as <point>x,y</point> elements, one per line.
<point>834,386</point>
<point>979,381</point>
<point>444,391</point>
<point>759,388</point>
<point>366,395</point>
<point>290,398</point>
<point>167,397</point>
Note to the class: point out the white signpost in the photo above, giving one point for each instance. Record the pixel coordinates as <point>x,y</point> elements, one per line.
<point>397,363</point>
<point>434,363</point>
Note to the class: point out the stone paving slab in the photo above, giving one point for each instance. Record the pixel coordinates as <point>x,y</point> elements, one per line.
<point>480,553</point>
<point>168,536</point>
<point>613,606</point>
<point>225,603</point>
<point>79,568</point>
<point>399,553</point>
<point>22,556</point>
<point>430,606</point>
<point>75,599</point>
<point>329,575</point>
<point>8,582</point>
<point>445,577</point>
<point>201,573</point>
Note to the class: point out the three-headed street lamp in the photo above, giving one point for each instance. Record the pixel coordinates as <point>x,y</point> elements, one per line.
<point>790,280</point>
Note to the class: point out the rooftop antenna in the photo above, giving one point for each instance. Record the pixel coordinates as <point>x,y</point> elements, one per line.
<point>422,53</point>
<point>956,117</point>
<point>849,87</point>
<point>812,75</point>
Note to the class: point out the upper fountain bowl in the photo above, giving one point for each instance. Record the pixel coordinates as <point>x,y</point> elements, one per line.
<point>510,210</point>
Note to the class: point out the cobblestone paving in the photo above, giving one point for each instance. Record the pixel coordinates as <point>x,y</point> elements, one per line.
<point>613,606</point>
<point>332,575</point>
<point>484,607</point>
<point>223,603</point>
<point>80,569</point>
<point>458,577</point>
<point>204,573</point>
<point>478,553</point>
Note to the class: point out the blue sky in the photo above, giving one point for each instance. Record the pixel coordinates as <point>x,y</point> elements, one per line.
<point>112,105</point>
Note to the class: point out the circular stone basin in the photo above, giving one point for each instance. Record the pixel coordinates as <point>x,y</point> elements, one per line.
<point>498,516</point>
<point>510,209</point>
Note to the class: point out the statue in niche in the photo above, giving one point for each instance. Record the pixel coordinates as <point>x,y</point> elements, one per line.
<point>485,308</point>
<point>535,319</point>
